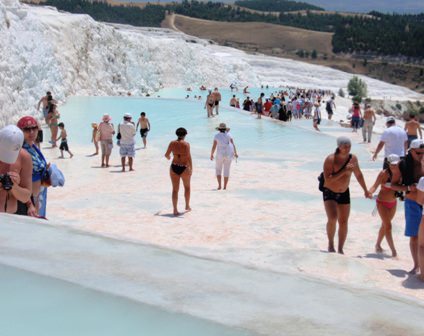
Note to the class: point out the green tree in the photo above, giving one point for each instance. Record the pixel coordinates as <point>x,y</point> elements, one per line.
<point>357,87</point>
<point>314,54</point>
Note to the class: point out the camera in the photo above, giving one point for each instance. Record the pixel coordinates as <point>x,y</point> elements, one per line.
<point>400,195</point>
<point>6,182</point>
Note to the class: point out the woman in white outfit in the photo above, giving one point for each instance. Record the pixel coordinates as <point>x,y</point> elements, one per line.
<point>225,152</point>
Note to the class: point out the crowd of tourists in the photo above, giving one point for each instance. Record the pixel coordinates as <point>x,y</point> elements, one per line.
<point>25,174</point>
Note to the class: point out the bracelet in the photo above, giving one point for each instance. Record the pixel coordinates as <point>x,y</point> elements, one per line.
<point>29,203</point>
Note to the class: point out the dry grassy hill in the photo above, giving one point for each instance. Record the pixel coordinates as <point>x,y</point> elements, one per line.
<point>284,41</point>
<point>256,36</point>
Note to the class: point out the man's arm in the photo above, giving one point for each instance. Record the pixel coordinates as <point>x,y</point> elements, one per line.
<point>420,131</point>
<point>359,177</point>
<point>378,149</point>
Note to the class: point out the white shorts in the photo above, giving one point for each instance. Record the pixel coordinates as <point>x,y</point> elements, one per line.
<point>223,162</point>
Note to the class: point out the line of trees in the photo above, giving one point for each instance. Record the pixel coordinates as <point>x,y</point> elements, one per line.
<point>276,5</point>
<point>382,34</point>
<point>149,16</point>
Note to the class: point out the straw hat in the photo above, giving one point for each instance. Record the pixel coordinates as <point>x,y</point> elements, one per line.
<point>222,126</point>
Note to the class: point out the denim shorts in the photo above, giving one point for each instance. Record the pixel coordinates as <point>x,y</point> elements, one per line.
<point>413,213</point>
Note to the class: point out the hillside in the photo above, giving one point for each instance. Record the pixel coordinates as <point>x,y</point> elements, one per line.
<point>289,42</point>
<point>271,39</point>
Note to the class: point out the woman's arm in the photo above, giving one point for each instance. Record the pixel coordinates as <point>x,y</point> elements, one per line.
<point>168,151</point>
<point>190,162</point>
<point>235,150</point>
<point>213,148</point>
<point>378,181</point>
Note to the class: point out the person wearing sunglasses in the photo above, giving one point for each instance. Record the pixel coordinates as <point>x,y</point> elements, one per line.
<point>412,170</point>
<point>29,127</point>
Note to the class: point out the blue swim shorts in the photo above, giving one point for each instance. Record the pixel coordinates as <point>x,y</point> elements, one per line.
<point>413,213</point>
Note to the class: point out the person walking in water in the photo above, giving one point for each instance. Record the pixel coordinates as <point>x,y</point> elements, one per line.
<point>181,168</point>
<point>144,124</point>
<point>338,169</point>
<point>317,114</point>
<point>369,122</point>
<point>223,143</point>
<point>386,201</point>
<point>217,98</point>
<point>209,104</point>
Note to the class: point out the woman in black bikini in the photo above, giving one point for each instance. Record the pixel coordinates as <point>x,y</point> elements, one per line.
<point>181,167</point>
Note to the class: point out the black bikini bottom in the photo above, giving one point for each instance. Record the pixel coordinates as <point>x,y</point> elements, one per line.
<point>178,169</point>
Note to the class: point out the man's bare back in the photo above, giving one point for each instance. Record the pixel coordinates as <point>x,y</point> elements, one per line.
<point>413,127</point>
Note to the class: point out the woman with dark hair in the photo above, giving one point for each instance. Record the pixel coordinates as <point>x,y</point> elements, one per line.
<point>53,119</point>
<point>386,201</point>
<point>181,168</point>
<point>338,169</point>
<point>36,207</point>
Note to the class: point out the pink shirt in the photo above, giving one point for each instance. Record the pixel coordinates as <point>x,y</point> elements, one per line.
<point>106,131</point>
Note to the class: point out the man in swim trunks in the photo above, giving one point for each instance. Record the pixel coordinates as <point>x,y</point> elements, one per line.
<point>233,101</point>
<point>144,127</point>
<point>338,169</point>
<point>412,128</point>
<point>259,105</point>
<point>217,97</point>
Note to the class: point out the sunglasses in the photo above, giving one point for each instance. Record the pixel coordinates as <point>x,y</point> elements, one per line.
<point>29,129</point>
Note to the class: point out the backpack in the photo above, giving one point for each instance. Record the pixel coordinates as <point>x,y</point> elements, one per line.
<point>321,178</point>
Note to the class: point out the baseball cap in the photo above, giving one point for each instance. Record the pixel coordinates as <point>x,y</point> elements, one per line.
<point>127,115</point>
<point>390,120</point>
<point>11,141</point>
<point>26,122</point>
<point>417,143</point>
<point>393,159</point>
<point>343,141</point>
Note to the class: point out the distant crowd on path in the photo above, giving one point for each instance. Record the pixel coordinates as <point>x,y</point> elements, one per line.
<point>402,176</point>
<point>285,105</point>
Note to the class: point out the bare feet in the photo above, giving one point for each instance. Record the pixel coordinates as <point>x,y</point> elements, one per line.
<point>414,270</point>
<point>378,249</point>
<point>103,165</point>
<point>188,208</point>
<point>331,249</point>
<point>394,254</point>
<point>219,188</point>
<point>72,155</point>
<point>340,251</point>
<point>132,169</point>
<point>176,213</point>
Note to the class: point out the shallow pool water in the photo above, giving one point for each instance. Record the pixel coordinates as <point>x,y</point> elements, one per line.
<point>37,305</point>
<point>259,140</point>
